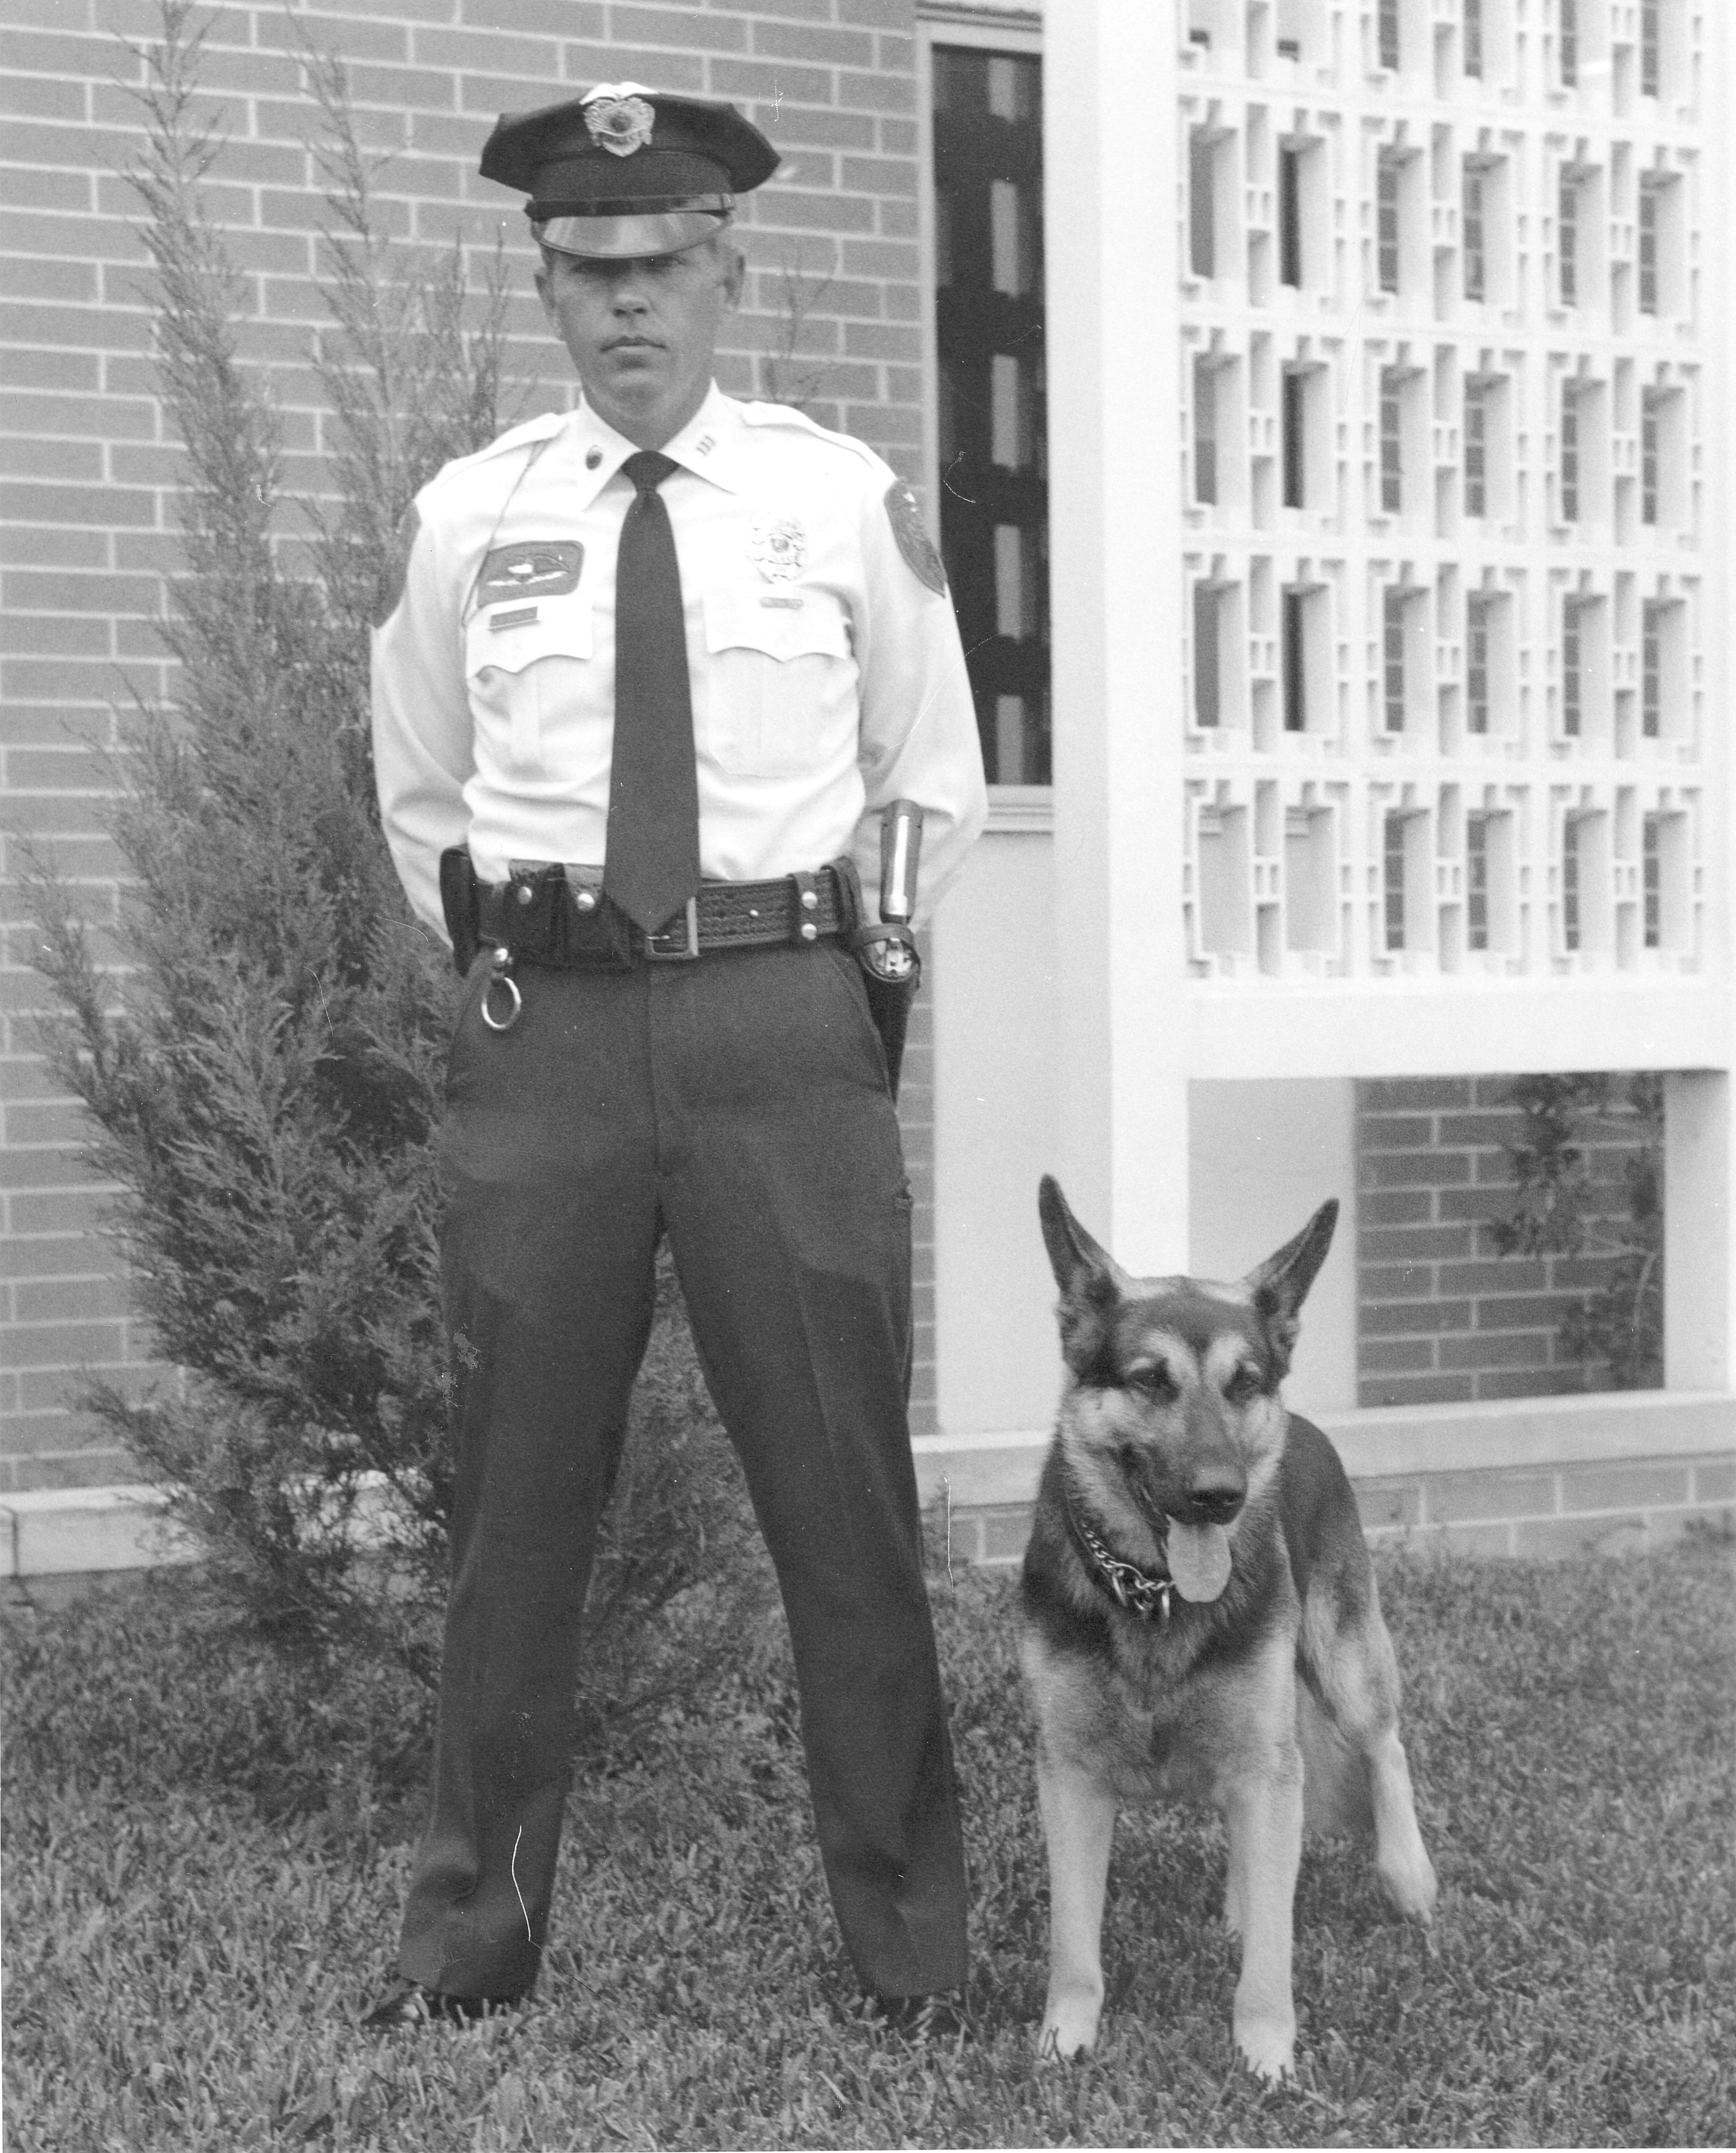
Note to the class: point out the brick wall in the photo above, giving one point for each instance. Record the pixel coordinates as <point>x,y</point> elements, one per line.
<point>1441,1316</point>
<point>86,492</point>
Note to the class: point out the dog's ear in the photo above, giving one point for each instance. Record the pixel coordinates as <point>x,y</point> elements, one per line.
<point>1279,1285</point>
<point>1090,1279</point>
<point>1071,1250</point>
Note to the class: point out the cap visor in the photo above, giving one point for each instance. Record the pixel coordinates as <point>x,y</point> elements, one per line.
<point>629,238</point>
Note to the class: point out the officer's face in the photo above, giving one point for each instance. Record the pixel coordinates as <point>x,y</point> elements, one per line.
<point>641,333</point>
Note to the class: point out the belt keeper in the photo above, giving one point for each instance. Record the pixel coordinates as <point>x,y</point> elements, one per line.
<point>808,903</point>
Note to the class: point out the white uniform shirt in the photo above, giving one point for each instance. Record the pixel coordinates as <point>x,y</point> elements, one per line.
<point>827,677</point>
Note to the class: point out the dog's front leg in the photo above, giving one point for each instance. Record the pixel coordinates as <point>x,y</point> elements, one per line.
<point>1263,1824</point>
<point>1078,1815</point>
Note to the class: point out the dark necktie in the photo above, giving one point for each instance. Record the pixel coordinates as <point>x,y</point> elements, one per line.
<point>651,860</point>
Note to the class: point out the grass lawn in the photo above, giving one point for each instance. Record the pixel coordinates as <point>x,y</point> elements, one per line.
<point>206,1853</point>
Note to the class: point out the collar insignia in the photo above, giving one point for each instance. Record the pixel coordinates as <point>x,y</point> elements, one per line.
<point>778,546</point>
<point>618,122</point>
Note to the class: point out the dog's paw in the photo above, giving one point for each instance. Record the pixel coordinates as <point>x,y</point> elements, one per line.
<point>1066,2037</point>
<point>1408,1878</point>
<point>1268,2047</point>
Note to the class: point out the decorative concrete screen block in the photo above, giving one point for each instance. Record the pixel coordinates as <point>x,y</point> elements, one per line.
<point>1443,514</point>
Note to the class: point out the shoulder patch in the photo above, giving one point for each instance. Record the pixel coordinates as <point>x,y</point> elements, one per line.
<point>914,543</point>
<point>389,594</point>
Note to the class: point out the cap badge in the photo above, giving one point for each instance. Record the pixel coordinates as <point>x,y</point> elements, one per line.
<point>617,123</point>
<point>778,546</point>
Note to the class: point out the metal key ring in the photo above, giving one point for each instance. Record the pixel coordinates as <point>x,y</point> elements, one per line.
<point>502,977</point>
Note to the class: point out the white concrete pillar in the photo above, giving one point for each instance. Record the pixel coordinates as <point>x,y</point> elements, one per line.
<point>1110,192</point>
<point>1699,1277</point>
<point>1266,1154</point>
<point>1699,1210</point>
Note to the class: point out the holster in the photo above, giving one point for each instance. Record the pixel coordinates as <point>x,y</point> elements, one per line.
<point>889,994</point>
<point>458,902</point>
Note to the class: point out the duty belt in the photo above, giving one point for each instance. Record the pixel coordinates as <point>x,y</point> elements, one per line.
<point>556,916</point>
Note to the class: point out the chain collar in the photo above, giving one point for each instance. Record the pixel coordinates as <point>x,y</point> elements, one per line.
<point>1129,1587</point>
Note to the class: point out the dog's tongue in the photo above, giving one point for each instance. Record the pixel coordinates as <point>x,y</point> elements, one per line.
<point>1199,1559</point>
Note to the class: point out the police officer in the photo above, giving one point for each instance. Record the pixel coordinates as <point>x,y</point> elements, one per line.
<point>657,666</point>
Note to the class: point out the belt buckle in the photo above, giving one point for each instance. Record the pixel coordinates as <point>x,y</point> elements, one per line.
<point>657,947</point>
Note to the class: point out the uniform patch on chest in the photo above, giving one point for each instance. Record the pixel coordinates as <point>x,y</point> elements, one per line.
<point>914,543</point>
<point>540,568</point>
<point>778,546</point>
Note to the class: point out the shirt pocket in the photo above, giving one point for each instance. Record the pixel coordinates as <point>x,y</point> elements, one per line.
<point>519,658</point>
<point>776,663</point>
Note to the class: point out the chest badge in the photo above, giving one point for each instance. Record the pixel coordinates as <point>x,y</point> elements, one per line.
<point>540,568</point>
<point>778,546</point>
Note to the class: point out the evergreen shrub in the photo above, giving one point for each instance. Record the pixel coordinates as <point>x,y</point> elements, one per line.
<point>263,1054</point>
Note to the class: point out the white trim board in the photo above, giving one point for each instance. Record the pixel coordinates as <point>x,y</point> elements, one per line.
<point>1587,1429</point>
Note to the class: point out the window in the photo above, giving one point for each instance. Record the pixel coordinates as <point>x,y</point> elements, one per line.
<point>1392,440</point>
<point>1479,607</point>
<point>1388,179</point>
<point>1289,215</point>
<point>1476,277</point>
<point>1650,190</point>
<point>1570,457</point>
<point>1652,623</point>
<point>1392,879</point>
<point>1573,672</point>
<point>1570,43</point>
<point>1649,403</point>
<point>1650,49</point>
<point>1390,54</point>
<point>1295,443</point>
<point>1208,685</point>
<point>1476,881</point>
<point>1295,661</point>
<point>1571,882</point>
<point>989,331</point>
<point>1205,429</point>
<point>1476,444</point>
<point>1202,204</point>
<point>1659,244</point>
<point>1395,616</point>
<point>1567,238</point>
<point>1651,882</point>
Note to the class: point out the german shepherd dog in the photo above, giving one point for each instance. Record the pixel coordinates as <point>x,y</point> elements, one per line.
<point>1200,1618</point>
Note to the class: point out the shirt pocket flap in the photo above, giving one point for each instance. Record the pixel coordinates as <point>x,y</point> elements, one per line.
<point>783,624</point>
<point>518,632</point>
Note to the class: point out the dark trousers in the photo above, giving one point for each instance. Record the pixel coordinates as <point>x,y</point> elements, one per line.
<point>739,1102</point>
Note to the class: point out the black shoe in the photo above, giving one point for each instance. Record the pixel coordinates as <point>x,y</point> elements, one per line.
<point>410,2005</point>
<point>939,2017</point>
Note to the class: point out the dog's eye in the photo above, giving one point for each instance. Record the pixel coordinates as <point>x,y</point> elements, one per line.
<point>1154,1380</point>
<point>1242,1385</point>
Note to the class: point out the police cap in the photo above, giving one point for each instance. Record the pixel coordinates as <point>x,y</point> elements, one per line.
<point>625,171</point>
